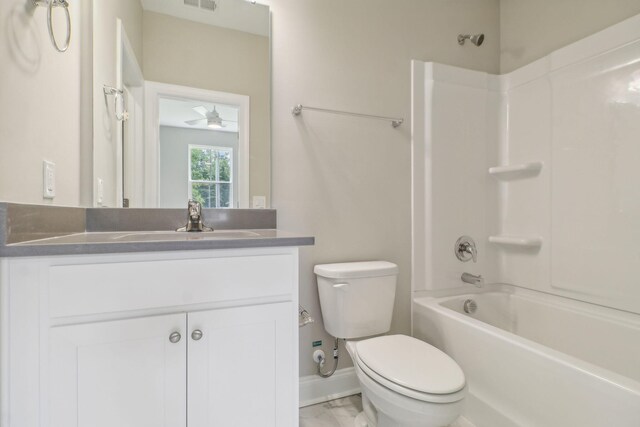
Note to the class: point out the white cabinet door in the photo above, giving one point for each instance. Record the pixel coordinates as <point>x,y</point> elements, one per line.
<point>124,373</point>
<point>242,371</point>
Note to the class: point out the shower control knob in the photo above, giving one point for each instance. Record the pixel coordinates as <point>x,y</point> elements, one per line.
<point>175,337</point>
<point>465,249</point>
<point>196,335</point>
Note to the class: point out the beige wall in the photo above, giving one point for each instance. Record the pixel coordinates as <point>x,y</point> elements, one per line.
<point>40,94</point>
<point>105,129</point>
<point>38,82</point>
<point>531,29</point>
<point>344,180</point>
<point>347,180</point>
<point>187,53</point>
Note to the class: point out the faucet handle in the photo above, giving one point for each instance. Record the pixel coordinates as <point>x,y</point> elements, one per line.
<point>465,249</point>
<point>194,209</point>
<point>471,249</point>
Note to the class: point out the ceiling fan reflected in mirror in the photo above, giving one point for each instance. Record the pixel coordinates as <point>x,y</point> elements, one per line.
<point>210,117</point>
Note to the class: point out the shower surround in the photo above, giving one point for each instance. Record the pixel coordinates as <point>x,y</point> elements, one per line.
<point>539,166</point>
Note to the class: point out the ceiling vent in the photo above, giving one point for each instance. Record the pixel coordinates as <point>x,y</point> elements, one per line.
<point>209,5</point>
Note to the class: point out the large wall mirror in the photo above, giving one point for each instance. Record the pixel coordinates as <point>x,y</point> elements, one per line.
<point>154,102</point>
<point>181,96</point>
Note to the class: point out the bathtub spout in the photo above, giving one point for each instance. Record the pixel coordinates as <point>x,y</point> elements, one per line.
<point>473,279</point>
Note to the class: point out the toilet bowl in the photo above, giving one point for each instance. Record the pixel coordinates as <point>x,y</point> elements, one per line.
<point>393,390</point>
<point>405,382</point>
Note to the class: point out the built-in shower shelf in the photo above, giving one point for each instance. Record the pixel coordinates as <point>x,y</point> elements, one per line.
<point>522,241</point>
<point>524,170</point>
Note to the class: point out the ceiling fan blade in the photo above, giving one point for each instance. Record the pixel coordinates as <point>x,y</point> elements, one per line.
<point>201,110</point>
<point>195,122</point>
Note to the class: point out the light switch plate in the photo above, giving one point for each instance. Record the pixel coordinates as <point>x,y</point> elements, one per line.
<point>100,200</point>
<point>48,179</point>
<point>259,202</point>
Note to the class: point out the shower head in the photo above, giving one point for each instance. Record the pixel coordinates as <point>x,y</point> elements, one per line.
<point>476,39</point>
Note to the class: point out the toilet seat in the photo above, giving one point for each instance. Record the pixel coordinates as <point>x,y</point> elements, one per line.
<point>411,367</point>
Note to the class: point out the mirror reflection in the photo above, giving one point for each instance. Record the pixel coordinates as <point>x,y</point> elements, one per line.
<point>181,103</point>
<point>200,147</point>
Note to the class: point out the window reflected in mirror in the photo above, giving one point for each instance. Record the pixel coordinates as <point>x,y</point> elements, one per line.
<point>210,176</point>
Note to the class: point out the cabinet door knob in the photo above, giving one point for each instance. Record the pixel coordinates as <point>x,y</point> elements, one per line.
<point>196,335</point>
<point>175,337</point>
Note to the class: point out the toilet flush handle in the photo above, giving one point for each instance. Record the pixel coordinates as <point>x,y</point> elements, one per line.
<point>340,285</point>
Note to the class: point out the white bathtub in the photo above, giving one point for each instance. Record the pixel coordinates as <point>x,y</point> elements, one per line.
<point>533,359</point>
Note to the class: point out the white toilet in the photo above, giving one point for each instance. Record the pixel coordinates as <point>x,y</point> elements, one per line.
<point>405,382</point>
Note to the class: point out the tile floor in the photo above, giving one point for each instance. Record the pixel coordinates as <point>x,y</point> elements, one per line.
<point>336,413</point>
<point>342,413</point>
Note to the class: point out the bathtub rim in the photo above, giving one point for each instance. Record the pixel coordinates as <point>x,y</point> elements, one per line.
<point>572,362</point>
<point>565,302</point>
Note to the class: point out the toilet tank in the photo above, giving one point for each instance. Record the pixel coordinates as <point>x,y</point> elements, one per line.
<point>356,298</point>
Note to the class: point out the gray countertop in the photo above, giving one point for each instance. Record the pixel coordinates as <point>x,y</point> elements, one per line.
<point>37,230</point>
<point>120,242</point>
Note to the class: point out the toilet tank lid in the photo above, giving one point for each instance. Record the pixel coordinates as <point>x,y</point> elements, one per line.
<point>354,270</point>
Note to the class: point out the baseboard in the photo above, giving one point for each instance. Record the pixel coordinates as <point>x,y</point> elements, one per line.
<point>315,389</point>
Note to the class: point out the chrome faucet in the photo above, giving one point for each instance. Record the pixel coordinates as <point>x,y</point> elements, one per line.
<point>195,218</point>
<point>473,279</point>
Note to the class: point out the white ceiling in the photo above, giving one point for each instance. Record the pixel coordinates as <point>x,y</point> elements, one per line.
<point>175,112</point>
<point>241,15</point>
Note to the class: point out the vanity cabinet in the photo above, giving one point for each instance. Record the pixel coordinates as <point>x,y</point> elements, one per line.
<point>233,369</point>
<point>193,338</point>
<point>119,373</point>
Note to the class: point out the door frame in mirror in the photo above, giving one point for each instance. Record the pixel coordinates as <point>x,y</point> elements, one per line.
<point>129,79</point>
<point>128,75</point>
<point>154,91</point>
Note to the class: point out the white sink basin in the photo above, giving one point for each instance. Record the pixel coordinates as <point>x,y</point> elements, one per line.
<point>151,236</point>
